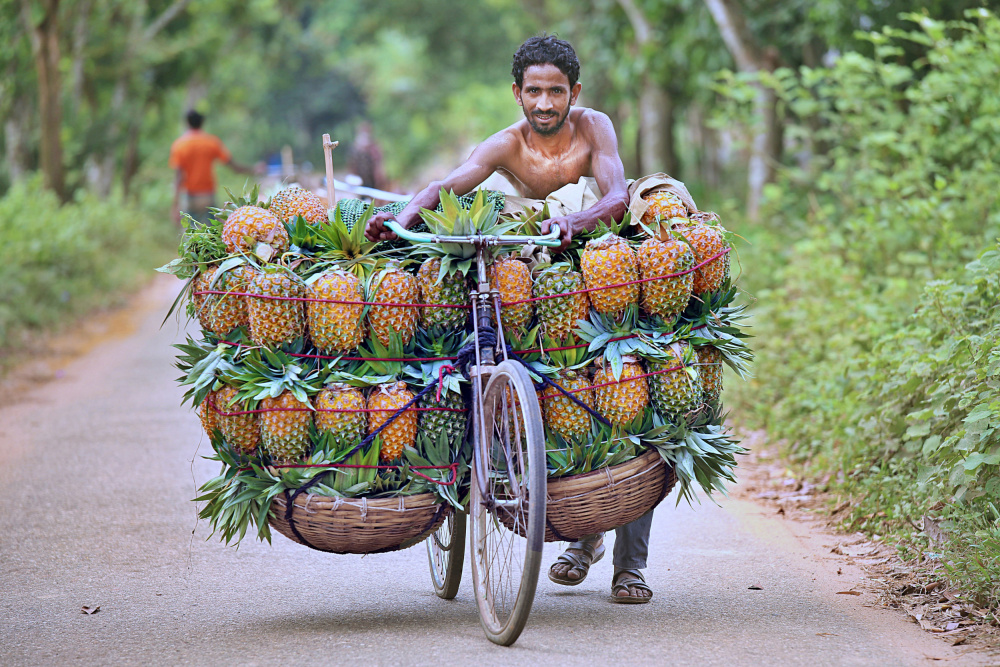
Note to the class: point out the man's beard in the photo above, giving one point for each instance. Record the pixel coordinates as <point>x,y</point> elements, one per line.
<point>548,131</point>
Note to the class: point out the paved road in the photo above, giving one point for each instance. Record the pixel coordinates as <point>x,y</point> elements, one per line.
<point>97,469</point>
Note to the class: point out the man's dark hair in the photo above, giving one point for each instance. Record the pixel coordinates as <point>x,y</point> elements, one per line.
<point>546,50</point>
<point>194,119</point>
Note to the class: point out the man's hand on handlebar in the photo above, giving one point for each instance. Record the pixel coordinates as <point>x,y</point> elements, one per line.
<point>376,230</point>
<point>566,231</point>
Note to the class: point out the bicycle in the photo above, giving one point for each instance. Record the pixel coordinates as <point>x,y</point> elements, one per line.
<point>506,519</point>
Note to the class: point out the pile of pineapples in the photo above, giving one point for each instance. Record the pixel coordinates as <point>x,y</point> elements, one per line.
<point>642,342</point>
<point>308,346</point>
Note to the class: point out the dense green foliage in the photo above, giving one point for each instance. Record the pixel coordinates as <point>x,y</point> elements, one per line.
<point>877,323</point>
<point>56,262</point>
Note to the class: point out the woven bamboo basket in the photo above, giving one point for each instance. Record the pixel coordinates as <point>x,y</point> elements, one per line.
<point>603,499</point>
<point>359,525</point>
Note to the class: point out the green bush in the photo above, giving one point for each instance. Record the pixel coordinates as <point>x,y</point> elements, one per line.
<point>58,262</point>
<point>876,323</point>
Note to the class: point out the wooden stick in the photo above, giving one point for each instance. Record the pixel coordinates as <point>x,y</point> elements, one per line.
<point>328,146</point>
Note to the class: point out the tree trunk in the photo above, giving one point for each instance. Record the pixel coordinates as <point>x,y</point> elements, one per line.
<point>44,38</point>
<point>765,144</point>
<point>655,144</point>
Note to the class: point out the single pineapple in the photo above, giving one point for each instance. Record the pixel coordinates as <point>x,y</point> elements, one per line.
<point>385,399</point>
<point>609,260</point>
<point>335,327</point>
<point>568,370</point>
<point>624,399</point>
<point>674,392</point>
<point>294,201</point>
<point>563,415</point>
<point>251,229</point>
<point>559,316</point>
<point>706,241</point>
<point>221,313</point>
<point>393,285</point>
<point>710,370</point>
<point>389,395</point>
<point>284,427</point>
<point>199,300</point>
<point>512,278</point>
<point>440,287</point>
<point>346,428</point>
<point>282,385</point>
<point>276,316</point>
<point>663,205</point>
<point>667,297</point>
<point>240,431</point>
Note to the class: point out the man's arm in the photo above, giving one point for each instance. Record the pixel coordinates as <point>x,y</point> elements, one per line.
<point>487,158</point>
<point>255,170</point>
<point>608,170</point>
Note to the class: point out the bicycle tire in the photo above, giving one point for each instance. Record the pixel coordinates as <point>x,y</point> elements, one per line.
<point>506,561</point>
<point>446,555</point>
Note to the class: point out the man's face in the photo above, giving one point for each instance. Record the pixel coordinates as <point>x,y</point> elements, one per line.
<point>546,98</point>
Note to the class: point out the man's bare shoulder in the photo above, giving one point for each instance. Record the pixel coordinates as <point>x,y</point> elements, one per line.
<point>593,122</point>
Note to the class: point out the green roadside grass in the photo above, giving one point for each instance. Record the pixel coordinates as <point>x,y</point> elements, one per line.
<point>875,281</point>
<point>59,263</point>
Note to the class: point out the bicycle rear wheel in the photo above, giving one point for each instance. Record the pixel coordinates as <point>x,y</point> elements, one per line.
<point>446,554</point>
<point>507,510</point>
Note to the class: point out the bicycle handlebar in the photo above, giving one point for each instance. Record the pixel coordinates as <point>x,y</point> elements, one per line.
<point>550,240</point>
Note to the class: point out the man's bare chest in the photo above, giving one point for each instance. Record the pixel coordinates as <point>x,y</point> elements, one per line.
<point>537,176</point>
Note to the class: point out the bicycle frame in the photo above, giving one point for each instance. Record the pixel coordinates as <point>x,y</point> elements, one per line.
<point>481,316</point>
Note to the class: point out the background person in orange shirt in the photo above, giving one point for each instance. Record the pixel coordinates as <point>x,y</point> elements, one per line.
<point>192,155</point>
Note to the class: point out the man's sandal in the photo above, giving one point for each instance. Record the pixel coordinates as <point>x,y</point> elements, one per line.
<point>581,562</point>
<point>629,579</point>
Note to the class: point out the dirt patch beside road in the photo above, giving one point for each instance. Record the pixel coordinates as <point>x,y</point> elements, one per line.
<point>871,566</point>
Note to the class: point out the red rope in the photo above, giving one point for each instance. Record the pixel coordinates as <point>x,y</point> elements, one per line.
<point>389,304</point>
<point>263,410</point>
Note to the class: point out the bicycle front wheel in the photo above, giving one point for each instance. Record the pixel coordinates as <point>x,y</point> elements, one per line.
<point>446,554</point>
<point>507,510</point>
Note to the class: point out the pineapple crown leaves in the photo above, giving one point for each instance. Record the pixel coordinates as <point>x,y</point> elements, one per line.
<point>613,339</point>
<point>704,455</point>
<point>350,249</point>
<point>572,359</point>
<point>203,366</point>
<point>715,311</point>
<point>269,373</point>
<point>594,450</point>
<point>438,342</point>
<point>200,245</point>
<point>376,354</point>
<point>351,374</point>
<point>454,220</point>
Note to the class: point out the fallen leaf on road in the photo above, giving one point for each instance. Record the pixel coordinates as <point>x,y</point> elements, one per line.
<point>90,609</point>
<point>848,592</point>
<point>755,587</point>
<point>826,634</point>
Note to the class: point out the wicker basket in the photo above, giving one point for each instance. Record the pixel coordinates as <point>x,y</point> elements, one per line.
<point>597,501</point>
<point>359,525</point>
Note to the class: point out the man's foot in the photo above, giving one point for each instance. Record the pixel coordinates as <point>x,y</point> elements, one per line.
<point>629,587</point>
<point>572,566</point>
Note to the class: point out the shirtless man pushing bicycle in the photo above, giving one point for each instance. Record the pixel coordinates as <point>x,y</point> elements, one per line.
<point>553,146</point>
